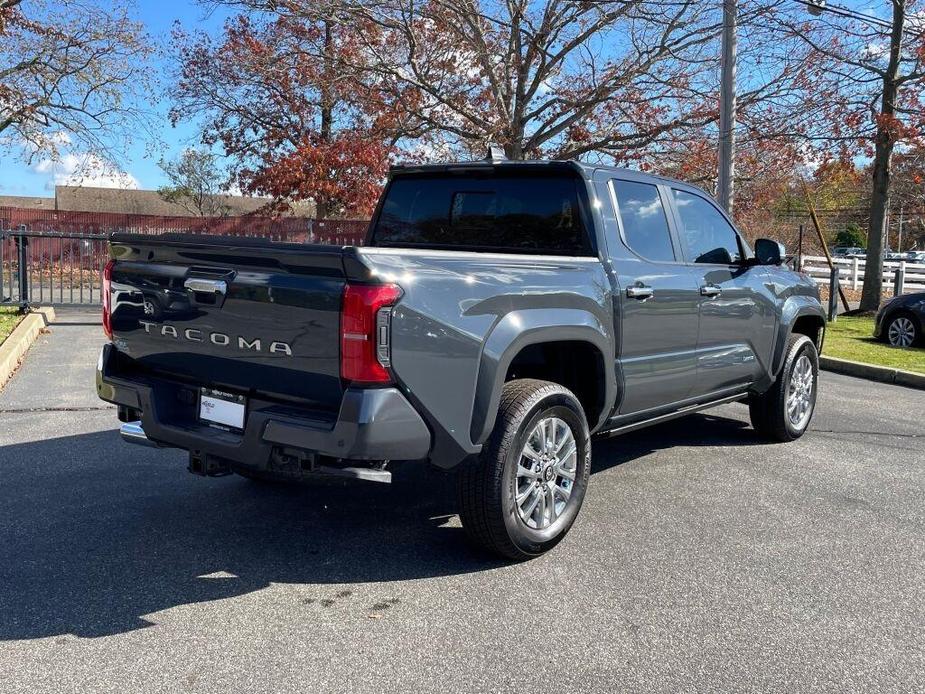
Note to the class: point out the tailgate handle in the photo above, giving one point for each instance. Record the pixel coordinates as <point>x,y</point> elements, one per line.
<point>199,284</point>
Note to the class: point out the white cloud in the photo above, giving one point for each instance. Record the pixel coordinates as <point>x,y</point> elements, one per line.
<point>84,170</point>
<point>874,51</point>
<point>69,168</point>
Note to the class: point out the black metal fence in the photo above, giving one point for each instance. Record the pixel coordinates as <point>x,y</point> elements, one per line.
<point>42,267</point>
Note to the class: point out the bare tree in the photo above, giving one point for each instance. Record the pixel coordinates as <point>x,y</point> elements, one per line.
<point>553,78</point>
<point>196,183</point>
<point>873,77</point>
<point>71,73</point>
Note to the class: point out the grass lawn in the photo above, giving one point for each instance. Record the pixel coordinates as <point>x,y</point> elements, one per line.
<point>852,337</point>
<point>9,319</point>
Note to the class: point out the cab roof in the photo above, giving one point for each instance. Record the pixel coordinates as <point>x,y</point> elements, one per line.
<point>587,171</point>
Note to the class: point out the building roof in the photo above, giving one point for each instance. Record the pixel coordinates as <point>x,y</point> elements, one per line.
<point>27,201</point>
<point>149,202</point>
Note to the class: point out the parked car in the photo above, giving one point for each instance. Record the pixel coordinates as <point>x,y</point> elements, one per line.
<point>848,252</point>
<point>900,320</point>
<point>916,257</point>
<point>499,315</point>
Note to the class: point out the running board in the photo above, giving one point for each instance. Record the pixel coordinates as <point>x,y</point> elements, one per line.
<point>683,412</point>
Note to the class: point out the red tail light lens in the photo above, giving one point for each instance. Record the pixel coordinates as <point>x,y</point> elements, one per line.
<point>107,298</point>
<point>364,332</point>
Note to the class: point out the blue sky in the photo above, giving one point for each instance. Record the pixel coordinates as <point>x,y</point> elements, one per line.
<point>158,16</point>
<point>18,178</point>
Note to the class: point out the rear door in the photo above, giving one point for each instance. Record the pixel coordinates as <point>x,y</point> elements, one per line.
<point>737,317</point>
<point>657,309</point>
<point>246,318</point>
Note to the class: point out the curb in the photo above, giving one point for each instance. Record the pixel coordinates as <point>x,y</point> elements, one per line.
<point>14,348</point>
<point>881,374</point>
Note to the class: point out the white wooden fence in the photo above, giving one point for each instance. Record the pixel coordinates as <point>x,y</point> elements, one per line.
<point>911,275</point>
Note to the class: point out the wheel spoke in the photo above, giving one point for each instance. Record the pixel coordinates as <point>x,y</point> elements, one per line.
<point>526,472</point>
<point>551,503</point>
<point>541,436</point>
<point>524,494</point>
<point>531,454</point>
<point>533,498</point>
<point>563,471</point>
<point>568,442</point>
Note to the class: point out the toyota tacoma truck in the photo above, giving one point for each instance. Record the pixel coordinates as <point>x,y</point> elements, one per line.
<point>498,316</point>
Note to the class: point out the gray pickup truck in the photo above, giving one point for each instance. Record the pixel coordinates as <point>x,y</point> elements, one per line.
<point>500,314</point>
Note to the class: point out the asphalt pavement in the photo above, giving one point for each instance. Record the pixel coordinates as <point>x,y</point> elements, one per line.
<point>702,561</point>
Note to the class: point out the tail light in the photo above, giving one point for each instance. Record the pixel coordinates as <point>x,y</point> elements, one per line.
<point>107,299</point>
<point>365,353</point>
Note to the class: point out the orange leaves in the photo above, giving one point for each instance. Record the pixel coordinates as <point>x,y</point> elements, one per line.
<point>895,129</point>
<point>343,174</point>
<point>283,98</point>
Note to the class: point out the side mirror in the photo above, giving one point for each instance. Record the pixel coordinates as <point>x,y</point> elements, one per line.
<point>769,252</point>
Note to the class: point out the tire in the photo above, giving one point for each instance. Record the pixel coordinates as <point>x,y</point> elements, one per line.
<point>771,411</point>
<point>902,330</point>
<point>488,486</point>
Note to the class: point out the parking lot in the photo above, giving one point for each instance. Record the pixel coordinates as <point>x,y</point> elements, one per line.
<point>702,561</point>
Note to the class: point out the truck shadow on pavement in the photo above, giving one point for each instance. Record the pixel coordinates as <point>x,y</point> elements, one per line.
<point>95,534</point>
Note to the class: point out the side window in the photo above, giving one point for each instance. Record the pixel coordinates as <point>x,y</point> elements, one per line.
<point>645,226</point>
<point>710,238</point>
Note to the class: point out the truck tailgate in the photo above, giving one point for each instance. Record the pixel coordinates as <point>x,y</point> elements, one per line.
<point>243,315</point>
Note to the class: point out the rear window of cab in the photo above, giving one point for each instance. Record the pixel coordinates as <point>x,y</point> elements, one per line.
<point>510,213</point>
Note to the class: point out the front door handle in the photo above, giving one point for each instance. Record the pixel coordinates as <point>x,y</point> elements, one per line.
<point>711,290</point>
<point>639,291</point>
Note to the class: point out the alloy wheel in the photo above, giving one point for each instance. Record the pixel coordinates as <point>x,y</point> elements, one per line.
<point>800,393</point>
<point>901,332</point>
<point>546,473</point>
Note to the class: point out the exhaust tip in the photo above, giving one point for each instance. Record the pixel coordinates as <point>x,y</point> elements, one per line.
<point>131,432</point>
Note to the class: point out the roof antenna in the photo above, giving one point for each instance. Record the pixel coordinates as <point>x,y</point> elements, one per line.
<point>495,153</point>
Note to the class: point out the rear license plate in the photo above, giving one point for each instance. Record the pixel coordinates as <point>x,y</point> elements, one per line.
<point>225,409</point>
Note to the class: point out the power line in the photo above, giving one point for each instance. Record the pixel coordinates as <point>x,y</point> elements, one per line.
<point>845,12</point>
<point>854,14</point>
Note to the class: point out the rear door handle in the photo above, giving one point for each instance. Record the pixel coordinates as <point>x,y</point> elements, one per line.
<point>711,290</point>
<point>639,291</point>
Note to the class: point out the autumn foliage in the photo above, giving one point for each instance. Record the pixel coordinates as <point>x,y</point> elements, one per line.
<point>274,99</point>
<point>313,100</point>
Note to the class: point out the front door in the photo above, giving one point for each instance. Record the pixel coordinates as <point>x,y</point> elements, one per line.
<point>657,309</point>
<point>737,318</point>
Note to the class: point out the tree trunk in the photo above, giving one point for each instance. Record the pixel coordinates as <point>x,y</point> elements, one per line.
<point>883,153</point>
<point>327,107</point>
<point>879,204</point>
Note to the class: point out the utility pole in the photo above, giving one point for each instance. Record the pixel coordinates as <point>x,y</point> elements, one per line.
<point>899,242</point>
<point>727,109</point>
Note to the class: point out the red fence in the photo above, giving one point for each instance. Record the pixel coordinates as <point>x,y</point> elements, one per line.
<point>345,232</point>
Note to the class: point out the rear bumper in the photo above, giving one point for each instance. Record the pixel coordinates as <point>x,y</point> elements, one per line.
<point>373,424</point>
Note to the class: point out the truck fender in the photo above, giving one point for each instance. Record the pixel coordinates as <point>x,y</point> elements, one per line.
<point>794,308</point>
<point>519,329</point>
